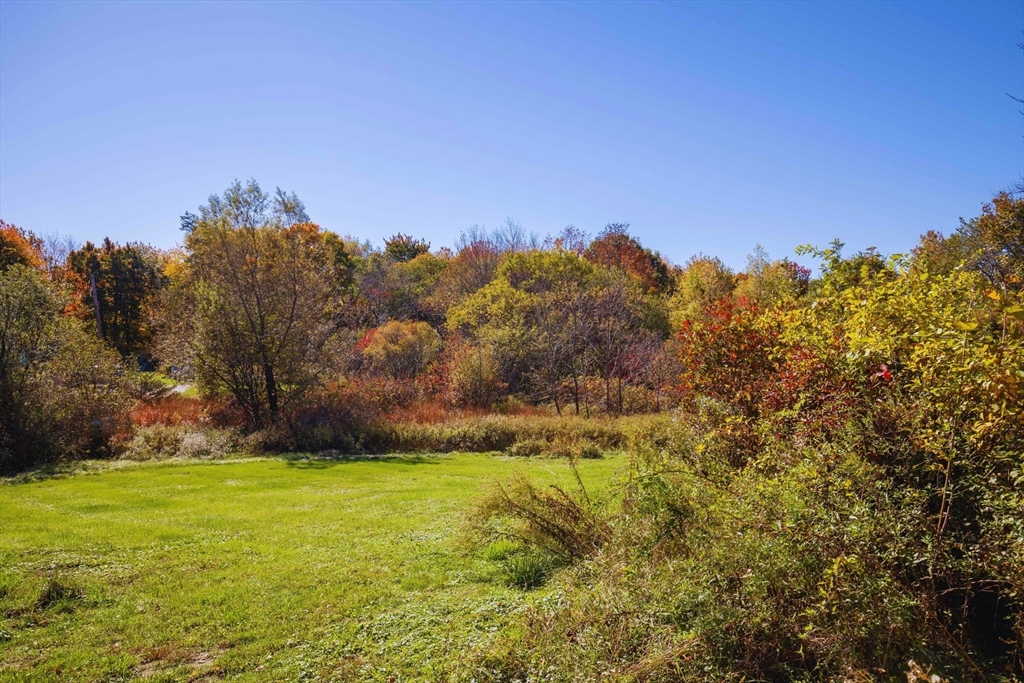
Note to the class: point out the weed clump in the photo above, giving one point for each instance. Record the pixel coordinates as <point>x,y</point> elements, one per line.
<point>521,566</point>
<point>527,568</point>
<point>530,531</point>
<point>59,595</point>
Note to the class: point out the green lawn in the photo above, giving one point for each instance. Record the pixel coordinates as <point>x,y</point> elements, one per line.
<point>259,570</point>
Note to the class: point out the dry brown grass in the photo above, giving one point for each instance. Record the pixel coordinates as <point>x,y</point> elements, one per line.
<point>436,412</point>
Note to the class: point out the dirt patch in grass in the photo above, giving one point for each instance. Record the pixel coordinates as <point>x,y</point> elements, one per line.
<point>167,658</point>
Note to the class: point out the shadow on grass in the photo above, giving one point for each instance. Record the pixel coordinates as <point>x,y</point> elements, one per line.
<point>59,470</point>
<point>317,461</point>
<point>322,462</point>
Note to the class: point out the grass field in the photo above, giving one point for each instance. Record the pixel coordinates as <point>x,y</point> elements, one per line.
<point>258,570</point>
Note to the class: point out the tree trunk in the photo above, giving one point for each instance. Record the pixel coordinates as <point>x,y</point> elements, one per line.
<point>576,390</point>
<point>96,305</point>
<point>268,374</point>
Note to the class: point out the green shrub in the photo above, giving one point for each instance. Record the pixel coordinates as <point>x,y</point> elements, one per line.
<point>63,393</point>
<point>526,448</point>
<point>7,584</point>
<point>521,566</point>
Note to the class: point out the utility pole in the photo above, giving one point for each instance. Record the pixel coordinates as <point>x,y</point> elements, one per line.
<point>96,305</point>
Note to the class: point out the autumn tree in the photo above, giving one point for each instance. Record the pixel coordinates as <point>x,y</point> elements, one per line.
<point>992,244</point>
<point>770,283</point>
<point>619,323</point>
<point>127,280</point>
<point>551,318</point>
<point>55,251</point>
<point>561,285</point>
<point>405,247</point>
<point>473,372</point>
<point>495,318</point>
<point>702,280</point>
<point>257,305</point>
<point>615,248</point>
<point>401,350</point>
<point>511,236</point>
<point>375,289</point>
<point>571,239</point>
<point>19,246</point>
<point>473,266</point>
<point>398,290</point>
<point>63,393</point>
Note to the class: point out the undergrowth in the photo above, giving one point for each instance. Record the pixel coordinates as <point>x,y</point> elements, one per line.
<point>514,435</point>
<point>840,499</point>
<point>705,574</point>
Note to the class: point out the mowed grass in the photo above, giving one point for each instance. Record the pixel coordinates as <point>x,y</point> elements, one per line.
<point>259,570</point>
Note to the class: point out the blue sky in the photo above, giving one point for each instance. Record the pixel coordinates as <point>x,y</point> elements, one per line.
<point>708,127</point>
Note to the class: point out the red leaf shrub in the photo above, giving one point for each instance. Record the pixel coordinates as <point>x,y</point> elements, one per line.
<point>727,355</point>
<point>175,409</point>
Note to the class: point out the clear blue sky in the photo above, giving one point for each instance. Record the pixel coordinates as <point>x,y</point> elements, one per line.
<point>709,127</point>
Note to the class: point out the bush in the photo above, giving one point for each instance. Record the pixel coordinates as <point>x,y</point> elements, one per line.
<point>175,409</point>
<point>550,521</point>
<point>521,566</point>
<point>160,442</point>
<point>473,374</point>
<point>571,447</point>
<point>526,449</point>
<point>717,580</point>
<point>63,393</point>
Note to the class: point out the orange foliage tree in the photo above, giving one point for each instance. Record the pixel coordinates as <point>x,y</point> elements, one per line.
<point>615,248</point>
<point>19,246</point>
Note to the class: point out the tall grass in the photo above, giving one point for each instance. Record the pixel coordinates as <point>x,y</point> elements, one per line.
<point>176,426</point>
<point>551,435</point>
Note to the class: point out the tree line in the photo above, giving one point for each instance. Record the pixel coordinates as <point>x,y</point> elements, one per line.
<point>270,313</point>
